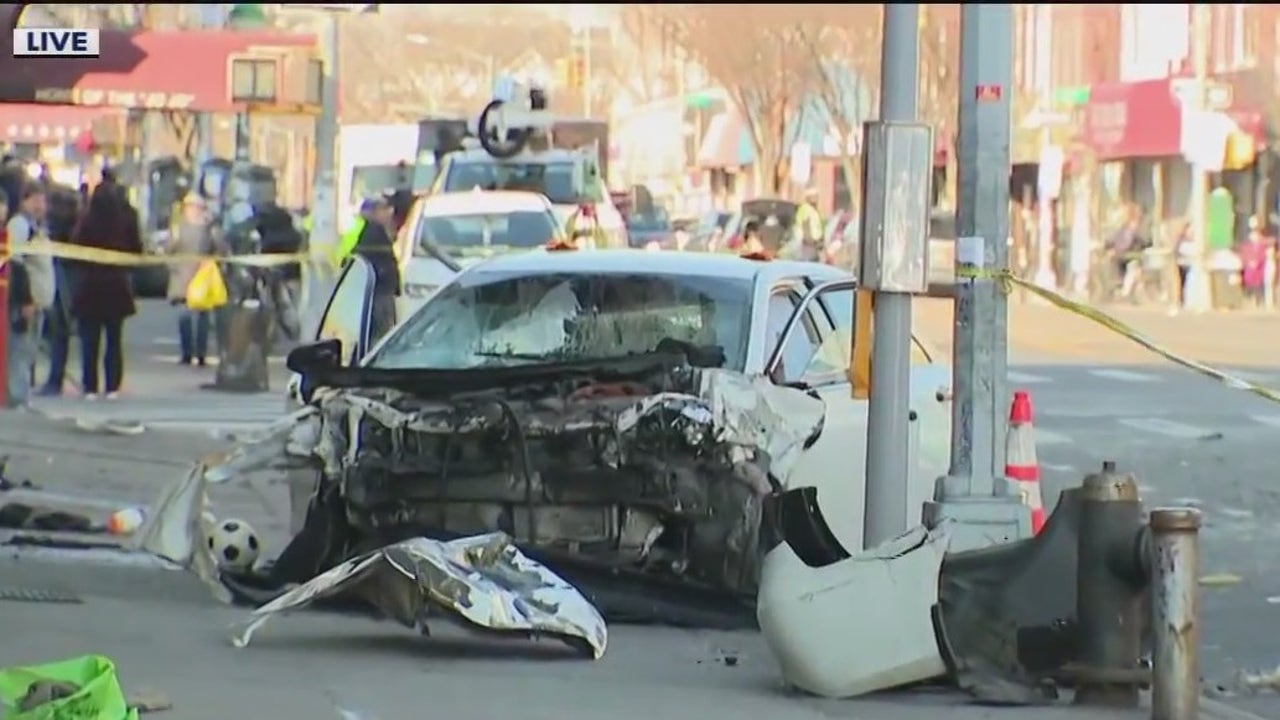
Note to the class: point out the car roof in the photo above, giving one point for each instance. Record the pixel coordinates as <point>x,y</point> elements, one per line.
<point>542,156</point>
<point>659,262</point>
<point>475,202</point>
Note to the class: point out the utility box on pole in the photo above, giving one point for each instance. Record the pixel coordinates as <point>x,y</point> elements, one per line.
<point>986,505</point>
<point>897,177</point>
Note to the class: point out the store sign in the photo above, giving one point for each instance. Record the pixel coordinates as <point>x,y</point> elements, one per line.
<point>115,98</point>
<point>1107,122</point>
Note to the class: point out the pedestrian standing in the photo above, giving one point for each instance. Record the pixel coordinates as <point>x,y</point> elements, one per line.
<point>64,211</point>
<point>375,246</point>
<point>1253,262</point>
<point>21,347</point>
<point>20,350</point>
<point>26,231</point>
<point>194,238</point>
<point>103,296</point>
<point>1184,251</point>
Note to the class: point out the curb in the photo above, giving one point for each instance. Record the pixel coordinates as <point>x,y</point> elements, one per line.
<point>1211,709</point>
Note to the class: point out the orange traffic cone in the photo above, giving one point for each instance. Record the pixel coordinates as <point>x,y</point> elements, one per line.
<point>1020,457</point>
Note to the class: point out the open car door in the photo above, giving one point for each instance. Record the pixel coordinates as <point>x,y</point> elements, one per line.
<point>347,318</point>
<point>811,354</point>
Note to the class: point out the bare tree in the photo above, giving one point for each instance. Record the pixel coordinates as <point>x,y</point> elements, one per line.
<point>845,52</point>
<point>754,52</point>
<point>641,65</point>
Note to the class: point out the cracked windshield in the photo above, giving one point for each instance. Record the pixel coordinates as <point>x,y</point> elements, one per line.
<point>565,318</point>
<point>520,360</point>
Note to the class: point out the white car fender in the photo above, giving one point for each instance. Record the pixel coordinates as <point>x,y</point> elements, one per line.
<point>860,624</point>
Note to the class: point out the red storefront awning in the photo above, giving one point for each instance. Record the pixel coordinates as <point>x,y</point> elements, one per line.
<point>174,70</point>
<point>1144,120</point>
<point>1133,120</point>
<point>32,123</point>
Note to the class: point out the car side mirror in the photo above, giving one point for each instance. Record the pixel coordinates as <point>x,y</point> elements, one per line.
<point>316,356</point>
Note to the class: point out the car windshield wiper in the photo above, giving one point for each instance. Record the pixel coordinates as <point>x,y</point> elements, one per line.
<point>436,253</point>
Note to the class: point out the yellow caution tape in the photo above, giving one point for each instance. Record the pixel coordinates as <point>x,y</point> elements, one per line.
<point>1007,281</point>
<point>101,256</point>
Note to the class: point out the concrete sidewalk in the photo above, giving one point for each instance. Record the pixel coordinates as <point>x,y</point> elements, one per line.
<point>1044,333</point>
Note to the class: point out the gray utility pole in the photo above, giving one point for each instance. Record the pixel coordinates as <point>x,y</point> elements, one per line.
<point>889,462</point>
<point>324,206</point>
<point>976,492</point>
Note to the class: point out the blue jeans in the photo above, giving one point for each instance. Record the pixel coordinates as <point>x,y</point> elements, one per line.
<point>58,335</point>
<point>22,360</point>
<point>193,334</point>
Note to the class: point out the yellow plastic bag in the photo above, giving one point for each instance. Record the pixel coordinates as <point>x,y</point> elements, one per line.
<point>206,291</point>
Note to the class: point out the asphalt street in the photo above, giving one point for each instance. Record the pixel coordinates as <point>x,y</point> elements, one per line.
<point>1188,439</point>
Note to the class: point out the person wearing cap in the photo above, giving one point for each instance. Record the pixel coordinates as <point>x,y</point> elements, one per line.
<point>347,242</point>
<point>194,237</point>
<point>376,246</point>
<point>809,226</point>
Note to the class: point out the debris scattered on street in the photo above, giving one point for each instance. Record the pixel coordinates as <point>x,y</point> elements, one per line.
<point>820,607</point>
<point>23,516</point>
<point>148,701</point>
<point>6,483</point>
<point>125,521</point>
<point>109,426</point>
<point>177,528</point>
<point>1220,580</point>
<point>1269,681</point>
<point>483,580</point>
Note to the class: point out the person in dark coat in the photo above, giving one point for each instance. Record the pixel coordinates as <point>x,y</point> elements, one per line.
<point>102,295</point>
<point>376,246</point>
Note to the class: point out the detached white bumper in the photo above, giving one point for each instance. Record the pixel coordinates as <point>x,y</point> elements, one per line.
<point>858,625</point>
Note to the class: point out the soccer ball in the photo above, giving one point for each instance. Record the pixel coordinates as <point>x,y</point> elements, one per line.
<point>234,544</point>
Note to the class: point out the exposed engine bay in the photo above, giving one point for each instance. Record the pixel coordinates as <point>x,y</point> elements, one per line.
<point>644,468</point>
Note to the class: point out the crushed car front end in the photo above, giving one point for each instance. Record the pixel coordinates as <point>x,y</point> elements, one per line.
<point>644,470</point>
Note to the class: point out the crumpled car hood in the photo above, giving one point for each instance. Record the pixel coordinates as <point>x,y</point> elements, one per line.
<point>750,412</point>
<point>483,580</point>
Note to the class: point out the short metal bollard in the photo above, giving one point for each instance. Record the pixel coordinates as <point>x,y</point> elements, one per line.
<point>1110,578</point>
<point>1175,614</point>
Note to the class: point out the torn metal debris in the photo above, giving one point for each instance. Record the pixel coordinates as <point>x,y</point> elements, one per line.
<point>484,581</point>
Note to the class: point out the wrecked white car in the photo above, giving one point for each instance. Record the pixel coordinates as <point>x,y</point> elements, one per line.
<point>622,415</point>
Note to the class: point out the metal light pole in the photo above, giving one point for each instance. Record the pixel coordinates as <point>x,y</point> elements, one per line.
<point>888,468</point>
<point>323,238</point>
<point>975,492</point>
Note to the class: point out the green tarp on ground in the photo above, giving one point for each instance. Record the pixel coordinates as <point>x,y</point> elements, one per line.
<point>97,693</point>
